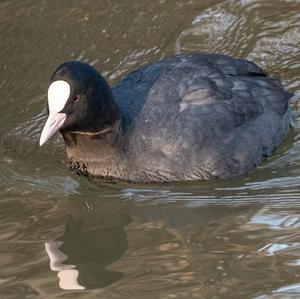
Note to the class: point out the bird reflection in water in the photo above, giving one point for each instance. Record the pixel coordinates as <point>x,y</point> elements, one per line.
<point>93,239</point>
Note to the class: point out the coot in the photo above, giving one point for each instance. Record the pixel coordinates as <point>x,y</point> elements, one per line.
<point>188,117</point>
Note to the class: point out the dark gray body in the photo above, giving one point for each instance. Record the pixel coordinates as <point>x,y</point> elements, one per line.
<point>190,117</point>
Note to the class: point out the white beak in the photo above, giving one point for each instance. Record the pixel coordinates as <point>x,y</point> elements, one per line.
<point>53,124</point>
<point>58,95</point>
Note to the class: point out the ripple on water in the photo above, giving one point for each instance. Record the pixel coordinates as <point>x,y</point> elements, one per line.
<point>207,32</point>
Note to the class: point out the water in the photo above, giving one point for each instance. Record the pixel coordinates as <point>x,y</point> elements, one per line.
<point>63,235</point>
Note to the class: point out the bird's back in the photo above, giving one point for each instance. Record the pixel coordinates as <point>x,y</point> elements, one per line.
<point>201,116</point>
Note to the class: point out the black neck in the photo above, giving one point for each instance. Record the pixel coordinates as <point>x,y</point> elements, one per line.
<point>94,152</point>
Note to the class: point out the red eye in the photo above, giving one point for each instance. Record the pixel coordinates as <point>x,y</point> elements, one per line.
<point>76,98</point>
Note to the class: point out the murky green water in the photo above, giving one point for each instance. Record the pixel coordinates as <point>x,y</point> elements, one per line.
<point>63,235</point>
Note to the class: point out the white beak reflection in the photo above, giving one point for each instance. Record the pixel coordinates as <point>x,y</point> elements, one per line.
<point>68,276</point>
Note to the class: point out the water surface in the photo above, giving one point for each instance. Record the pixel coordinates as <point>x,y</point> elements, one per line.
<point>63,235</point>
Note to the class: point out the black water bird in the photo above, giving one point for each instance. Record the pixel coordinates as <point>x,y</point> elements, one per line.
<point>188,117</point>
